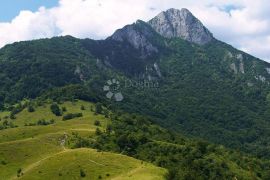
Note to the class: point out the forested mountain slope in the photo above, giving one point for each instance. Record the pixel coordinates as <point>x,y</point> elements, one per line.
<point>187,81</point>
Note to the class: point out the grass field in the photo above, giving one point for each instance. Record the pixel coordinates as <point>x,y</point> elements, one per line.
<point>40,152</point>
<point>85,123</point>
<point>96,165</point>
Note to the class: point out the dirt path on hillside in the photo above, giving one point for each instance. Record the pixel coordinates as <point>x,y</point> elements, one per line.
<point>32,166</point>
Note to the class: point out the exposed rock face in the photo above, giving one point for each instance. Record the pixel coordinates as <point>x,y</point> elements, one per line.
<point>233,68</point>
<point>241,65</point>
<point>79,73</point>
<point>157,70</point>
<point>137,35</point>
<point>261,78</point>
<point>181,23</point>
<point>268,70</point>
<point>229,54</point>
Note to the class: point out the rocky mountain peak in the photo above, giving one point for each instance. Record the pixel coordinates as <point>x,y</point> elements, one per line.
<point>181,23</point>
<point>137,35</point>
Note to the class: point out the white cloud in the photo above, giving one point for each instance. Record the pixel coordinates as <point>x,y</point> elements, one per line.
<point>28,25</point>
<point>242,23</point>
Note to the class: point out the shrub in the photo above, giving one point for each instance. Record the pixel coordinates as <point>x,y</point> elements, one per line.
<point>82,107</point>
<point>6,124</point>
<point>12,115</point>
<point>19,172</point>
<point>64,109</point>
<point>30,124</point>
<point>56,110</point>
<point>42,122</point>
<point>82,173</point>
<point>3,162</point>
<point>98,108</point>
<point>72,116</point>
<point>31,108</point>
<point>109,129</point>
<point>98,131</point>
<point>97,123</point>
<point>106,113</point>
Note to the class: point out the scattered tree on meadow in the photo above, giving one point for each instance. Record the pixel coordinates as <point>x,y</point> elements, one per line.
<point>97,123</point>
<point>82,173</point>
<point>82,107</point>
<point>55,109</point>
<point>98,131</point>
<point>98,108</point>
<point>64,109</point>
<point>30,108</point>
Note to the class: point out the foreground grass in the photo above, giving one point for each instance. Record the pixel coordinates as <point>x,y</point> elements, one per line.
<point>95,165</point>
<point>22,153</point>
<point>40,152</point>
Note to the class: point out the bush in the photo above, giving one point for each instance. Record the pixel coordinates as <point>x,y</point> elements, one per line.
<point>3,162</point>
<point>82,107</point>
<point>72,116</point>
<point>30,124</point>
<point>56,110</point>
<point>82,173</point>
<point>106,113</point>
<point>109,129</point>
<point>98,131</point>
<point>31,109</point>
<point>64,109</point>
<point>6,124</point>
<point>99,108</point>
<point>97,123</point>
<point>19,172</point>
<point>42,122</point>
<point>12,116</point>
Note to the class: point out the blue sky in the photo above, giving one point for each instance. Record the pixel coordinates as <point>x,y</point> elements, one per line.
<point>11,8</point>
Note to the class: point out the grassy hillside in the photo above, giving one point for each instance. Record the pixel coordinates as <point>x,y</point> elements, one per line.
<point>81,124</point>
<point>41,151</point>
<point>96,165</point>
<point>34,149</point>
<point>22,153</point>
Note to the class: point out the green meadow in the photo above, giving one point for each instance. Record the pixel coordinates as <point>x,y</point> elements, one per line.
<point>42,151</point>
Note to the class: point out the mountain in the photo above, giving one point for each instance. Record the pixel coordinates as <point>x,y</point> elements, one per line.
<point>181,23</point>
<point>129,49</point>
<point>139,35</point>
<point>171,69</point>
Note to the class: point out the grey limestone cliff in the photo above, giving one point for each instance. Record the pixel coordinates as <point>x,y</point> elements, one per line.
<point>181,23</point>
